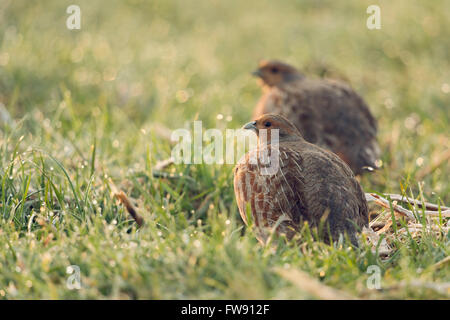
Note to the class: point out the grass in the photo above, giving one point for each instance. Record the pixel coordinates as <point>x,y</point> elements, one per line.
<point>79,110</point>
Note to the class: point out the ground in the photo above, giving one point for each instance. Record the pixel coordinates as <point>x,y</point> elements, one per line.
<point>86,112</point>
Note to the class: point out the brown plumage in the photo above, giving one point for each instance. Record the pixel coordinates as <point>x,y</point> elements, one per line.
<point>328,113</point>
<point>310,184</point>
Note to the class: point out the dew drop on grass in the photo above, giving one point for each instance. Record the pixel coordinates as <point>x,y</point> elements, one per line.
<point>419,161</point>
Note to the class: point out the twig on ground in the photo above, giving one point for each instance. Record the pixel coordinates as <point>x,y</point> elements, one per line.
<point>121,196</point>
<point>160,165</point>
<point>428,205</point>
<point>131,210</point>
<point>385,203</point>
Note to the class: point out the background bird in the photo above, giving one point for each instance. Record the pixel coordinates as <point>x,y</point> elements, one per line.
<point>311,184</point>
<point>327,113</point>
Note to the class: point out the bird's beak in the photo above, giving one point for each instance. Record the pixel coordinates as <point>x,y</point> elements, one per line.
<point>251,126</point>
<point>257,73</point>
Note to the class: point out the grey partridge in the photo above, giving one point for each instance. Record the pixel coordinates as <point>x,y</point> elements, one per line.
<point>309,184</point>
<point>328,113</point>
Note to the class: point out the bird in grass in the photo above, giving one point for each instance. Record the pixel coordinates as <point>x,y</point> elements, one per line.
<point>309,184</point>
<point>328,113</point>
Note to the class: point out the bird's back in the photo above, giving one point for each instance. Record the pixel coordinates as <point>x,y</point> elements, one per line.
<point>309,183</point>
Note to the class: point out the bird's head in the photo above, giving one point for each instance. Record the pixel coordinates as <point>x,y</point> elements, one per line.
<point>269,122</point>
<point>275,73</point>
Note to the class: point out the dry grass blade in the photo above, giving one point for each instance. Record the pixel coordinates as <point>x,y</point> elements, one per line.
<point>386,227</point>
<point>432,226</point>
<point>442,288</point>
<point>377,224</point>
<point>160,165</point>
<point>445,214</point>
<point>312,286</point>
<point>428,205</point>
<point>385,203</point>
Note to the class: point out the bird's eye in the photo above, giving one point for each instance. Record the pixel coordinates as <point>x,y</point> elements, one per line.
<point>267,124</point>
<point>274,70</point>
